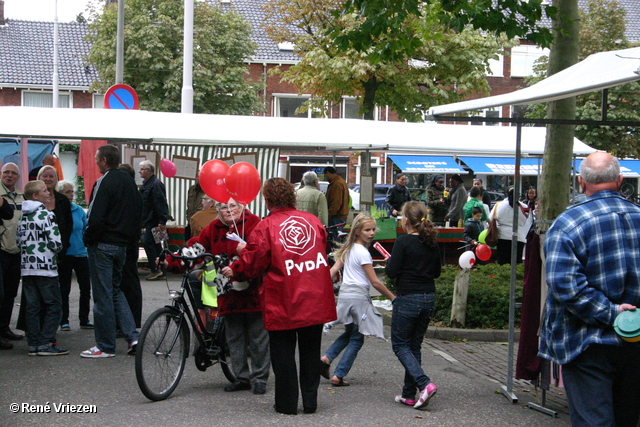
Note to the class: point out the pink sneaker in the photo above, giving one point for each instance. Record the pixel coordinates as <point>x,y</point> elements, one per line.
<point>425,395</point>
<point>408,402</point>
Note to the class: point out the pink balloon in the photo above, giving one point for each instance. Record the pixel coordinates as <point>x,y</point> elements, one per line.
<point>168,168</point>
<point>212,180</point>
<point>243,182</point>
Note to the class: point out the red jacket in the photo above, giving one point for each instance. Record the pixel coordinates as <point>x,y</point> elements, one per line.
<point>213,238</point>
<point>288,249</point>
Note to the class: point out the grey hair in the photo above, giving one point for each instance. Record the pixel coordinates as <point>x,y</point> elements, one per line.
<point>309,178</point>
<point>64,183</point>
<point>149,165</point>
<point>592,175</point>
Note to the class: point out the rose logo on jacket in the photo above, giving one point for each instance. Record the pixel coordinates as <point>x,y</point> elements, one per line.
<point>297,235</point>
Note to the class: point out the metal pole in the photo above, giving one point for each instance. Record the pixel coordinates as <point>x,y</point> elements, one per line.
<point>56,42</point>
<point>187,67</point>
<point>508,390</point>
<point>120,44</point>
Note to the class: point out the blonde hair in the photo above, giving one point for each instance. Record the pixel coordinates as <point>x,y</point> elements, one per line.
<point>356,226</point>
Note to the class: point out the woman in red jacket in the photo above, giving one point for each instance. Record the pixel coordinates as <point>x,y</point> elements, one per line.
<point>288,250</point>
<point>239,304</point>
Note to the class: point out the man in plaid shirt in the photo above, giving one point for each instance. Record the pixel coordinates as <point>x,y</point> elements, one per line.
<point>593,268</point>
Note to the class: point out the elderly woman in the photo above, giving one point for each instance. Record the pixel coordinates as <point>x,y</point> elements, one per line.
<point>75,260</point>
<point>61,206</point>
<point>288,250</point>
<point>238,303</point>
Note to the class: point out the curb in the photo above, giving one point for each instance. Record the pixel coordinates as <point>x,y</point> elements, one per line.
<point>458,334</point>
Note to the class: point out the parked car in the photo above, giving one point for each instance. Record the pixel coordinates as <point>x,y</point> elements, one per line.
<point>379,194</point>
<point>495,197</point>
<point>355,196</point>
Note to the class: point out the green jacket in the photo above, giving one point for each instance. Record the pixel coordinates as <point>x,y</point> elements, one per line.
<point>468,208</point>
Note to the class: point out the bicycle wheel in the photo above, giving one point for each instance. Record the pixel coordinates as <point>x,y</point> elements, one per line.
<point>161,353</point>
<point>225,357</point>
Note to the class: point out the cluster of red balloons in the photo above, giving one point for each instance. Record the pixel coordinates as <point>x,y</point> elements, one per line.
<point>222,182</point>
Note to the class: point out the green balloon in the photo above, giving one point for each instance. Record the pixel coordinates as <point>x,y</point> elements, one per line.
<point>482,237</point>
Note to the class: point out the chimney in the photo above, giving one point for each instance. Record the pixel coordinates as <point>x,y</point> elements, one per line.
<point>1,12</point>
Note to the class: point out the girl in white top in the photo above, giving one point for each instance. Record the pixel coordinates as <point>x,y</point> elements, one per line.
<point>355,309</point>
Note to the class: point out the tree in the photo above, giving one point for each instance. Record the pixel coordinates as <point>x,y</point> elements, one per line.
<point>153,57</point>
<point>446,66</point>
<point>602,28</point>
<point>559,141</point>
<point>387,18</point>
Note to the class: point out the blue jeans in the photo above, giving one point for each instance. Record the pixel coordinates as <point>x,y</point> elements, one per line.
<point>47,289</point>
<point>110,308</point>
<point>603,385</point>
<point>411,316</point>
<point>351,342</point>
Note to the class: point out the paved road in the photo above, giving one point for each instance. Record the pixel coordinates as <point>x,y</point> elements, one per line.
<point>467,375</point>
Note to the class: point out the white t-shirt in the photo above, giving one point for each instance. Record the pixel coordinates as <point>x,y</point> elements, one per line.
<point>353,272</point>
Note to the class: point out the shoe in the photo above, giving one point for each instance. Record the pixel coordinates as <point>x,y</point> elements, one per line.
<point>87,325</point>
<point>54,350</point>
<point>340,383</point>
<point>8,334</point>
<point>324,369</point>
<point>155,275</point>
<point>259,388</point>
<point>65,327</point>
<point>425,395</point>
<point>95,353</point>
<point>131,351</point>
<point>33,351</point>
<point>237,386</point>
<point>408,402</point>
<point>5,345</point>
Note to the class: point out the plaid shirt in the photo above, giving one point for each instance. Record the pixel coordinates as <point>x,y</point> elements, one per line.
<point>593,263</point>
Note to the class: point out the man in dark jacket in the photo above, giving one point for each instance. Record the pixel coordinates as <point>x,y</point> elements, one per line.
<point>113,222</point>
<point>155,212</point>
<point>397,195</point>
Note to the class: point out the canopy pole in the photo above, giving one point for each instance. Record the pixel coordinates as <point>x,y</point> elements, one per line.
<point>507,390</point>
<point>604,104</point>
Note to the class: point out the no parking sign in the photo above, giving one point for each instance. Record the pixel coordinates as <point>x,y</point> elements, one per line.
<point>121,97</point>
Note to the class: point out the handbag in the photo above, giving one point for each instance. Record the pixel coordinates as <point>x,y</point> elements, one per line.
<point>491,239</point>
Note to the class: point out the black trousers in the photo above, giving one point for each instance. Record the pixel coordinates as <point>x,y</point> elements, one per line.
<point>282,346</point>
<point>130,284</point>
<point>66,265</point>
<point>10,264</point>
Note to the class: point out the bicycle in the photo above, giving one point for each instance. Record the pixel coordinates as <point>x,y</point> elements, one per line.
<point>164,342</point>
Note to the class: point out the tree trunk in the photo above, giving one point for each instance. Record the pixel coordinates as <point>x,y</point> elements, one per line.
<point>369,98</point>
<point>556,180</point>
<point>460,293</point>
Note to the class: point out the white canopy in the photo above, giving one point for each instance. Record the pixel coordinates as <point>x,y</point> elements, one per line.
<point>598,71</point>
<point>281,132</point>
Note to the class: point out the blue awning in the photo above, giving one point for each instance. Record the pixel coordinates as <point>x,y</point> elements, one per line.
<point>501,165</point>
<point>426,164</point>
<point>628,168</point>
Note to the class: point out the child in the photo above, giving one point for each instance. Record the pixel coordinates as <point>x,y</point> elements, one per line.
<point>39,240</point>
<point>473,228</point>
<point>355,309</point>
<point>415,264</point>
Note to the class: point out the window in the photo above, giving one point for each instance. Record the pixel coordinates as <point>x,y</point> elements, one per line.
<point>98,100</point>
<point>45,99</point>
<point>351,108</point>
<point>488,113</point>
<point>523,59</point>
<point>285,105</point>
<point>495,65</point>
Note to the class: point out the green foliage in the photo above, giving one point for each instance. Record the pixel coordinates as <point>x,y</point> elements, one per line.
<point>602,28</point>
<point>153,58</point>
<point>488,298</point>
<point>382,18</point>
<point>440,60</point>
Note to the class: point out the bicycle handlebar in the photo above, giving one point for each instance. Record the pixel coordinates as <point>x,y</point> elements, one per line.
<point>186,258</point>
<point>335,226</point>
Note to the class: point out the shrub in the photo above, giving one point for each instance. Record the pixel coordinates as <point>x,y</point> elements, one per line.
<point>488,298</point>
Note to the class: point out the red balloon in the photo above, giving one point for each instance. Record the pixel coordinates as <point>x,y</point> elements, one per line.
<point>243,182</point>
<point>483,252</point>
<point>212,180</point>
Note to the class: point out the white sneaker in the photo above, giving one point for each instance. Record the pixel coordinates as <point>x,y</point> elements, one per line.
<point>95,353</point>
<point>132,348</point>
